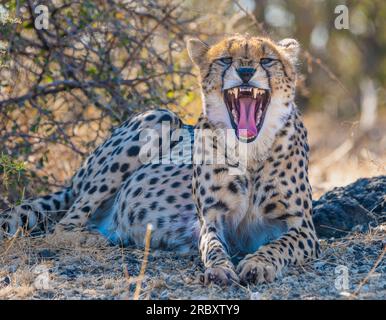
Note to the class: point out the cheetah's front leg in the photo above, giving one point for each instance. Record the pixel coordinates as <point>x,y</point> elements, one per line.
<point>219,268</point>
<point>221,200</point>
<point>297,246</point>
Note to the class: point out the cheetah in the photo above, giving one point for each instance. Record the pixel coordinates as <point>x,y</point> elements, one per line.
<point>248,217</point>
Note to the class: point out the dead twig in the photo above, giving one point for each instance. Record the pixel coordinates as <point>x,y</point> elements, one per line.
<point>12,240</point>
<point>366,279</point>
<point>144,262</point>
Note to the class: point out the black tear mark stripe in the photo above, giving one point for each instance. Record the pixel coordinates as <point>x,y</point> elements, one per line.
<point>269,78</point>
<point>225,70</point>
<point>223,76</point>
<point>218,62</point>
<point>282,64</point>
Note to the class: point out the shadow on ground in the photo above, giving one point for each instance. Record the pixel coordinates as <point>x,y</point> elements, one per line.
<point>351,266</point>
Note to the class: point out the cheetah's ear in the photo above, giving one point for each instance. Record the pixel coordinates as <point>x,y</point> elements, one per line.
<point>291,48</point>
<point>197,50</point>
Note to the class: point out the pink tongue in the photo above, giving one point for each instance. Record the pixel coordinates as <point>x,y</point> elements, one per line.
<point>247,123</point>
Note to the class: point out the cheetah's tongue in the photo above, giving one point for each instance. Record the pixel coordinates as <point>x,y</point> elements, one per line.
<point>246,127</point>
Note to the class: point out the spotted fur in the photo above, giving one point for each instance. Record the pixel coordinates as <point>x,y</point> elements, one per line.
<point>247,227</point>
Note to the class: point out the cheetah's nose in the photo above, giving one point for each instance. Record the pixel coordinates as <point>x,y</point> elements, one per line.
<point>246,73</point>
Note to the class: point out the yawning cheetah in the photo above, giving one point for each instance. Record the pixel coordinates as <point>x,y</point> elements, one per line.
<point>247,224</point>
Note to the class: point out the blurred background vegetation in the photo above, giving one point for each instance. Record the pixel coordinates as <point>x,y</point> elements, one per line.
<point>64,88</point>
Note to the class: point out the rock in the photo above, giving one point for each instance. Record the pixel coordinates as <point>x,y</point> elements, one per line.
<point>343,209</point>
<point>47,254</point>
<point>6,281</point>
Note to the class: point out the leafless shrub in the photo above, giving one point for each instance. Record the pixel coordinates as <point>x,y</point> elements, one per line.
<point>97,63</point>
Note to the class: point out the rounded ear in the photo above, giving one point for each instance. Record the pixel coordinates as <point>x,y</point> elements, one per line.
<point>196,49</point>
<point>291,48</point>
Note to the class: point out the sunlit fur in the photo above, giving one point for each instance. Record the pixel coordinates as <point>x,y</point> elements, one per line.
<point>280,79</point>
<point>262,215</point>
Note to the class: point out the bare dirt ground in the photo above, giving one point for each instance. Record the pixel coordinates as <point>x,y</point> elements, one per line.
<point>353,267</point>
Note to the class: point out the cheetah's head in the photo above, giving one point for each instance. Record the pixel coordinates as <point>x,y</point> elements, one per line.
<point>248,83</point>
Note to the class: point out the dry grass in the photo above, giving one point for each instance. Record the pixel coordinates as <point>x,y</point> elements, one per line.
<point>79,270</point>
<point>82,267</point>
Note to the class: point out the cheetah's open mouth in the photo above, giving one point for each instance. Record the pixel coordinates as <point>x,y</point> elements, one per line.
<point>246,107</point>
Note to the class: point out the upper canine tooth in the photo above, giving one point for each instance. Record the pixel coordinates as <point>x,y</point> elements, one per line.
<point>236,92</point>
<point>255,91</point>
<point>261,91</point>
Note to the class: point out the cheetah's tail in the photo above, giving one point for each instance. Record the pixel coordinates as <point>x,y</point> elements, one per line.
<point>36,215</point>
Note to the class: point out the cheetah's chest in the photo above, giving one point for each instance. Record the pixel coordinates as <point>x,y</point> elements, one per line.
<point>254,228</point>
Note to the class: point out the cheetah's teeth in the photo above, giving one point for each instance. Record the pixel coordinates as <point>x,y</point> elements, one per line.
<point>259,114</point>
<point>235,115</point>
<point>236,92</point>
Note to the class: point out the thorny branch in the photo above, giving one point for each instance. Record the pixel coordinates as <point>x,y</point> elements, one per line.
<point>98,61</point>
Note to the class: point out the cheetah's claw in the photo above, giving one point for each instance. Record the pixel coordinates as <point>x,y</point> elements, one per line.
<point>220,276</point>
<point>256,272</point>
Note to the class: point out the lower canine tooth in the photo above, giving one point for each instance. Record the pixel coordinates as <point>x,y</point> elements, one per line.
<point>234,113</point>
<point>259,113</point>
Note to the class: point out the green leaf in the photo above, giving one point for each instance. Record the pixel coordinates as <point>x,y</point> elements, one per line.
<point>48,79</point>
<point>92,71</point>
<point>28,24</point>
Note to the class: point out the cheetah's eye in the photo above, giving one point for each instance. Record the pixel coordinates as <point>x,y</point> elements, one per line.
<point>267,62</point>
<point>226,60</point>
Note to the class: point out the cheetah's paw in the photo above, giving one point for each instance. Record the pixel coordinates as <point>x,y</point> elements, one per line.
<point>220,275</point>
<point>256,271</point>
